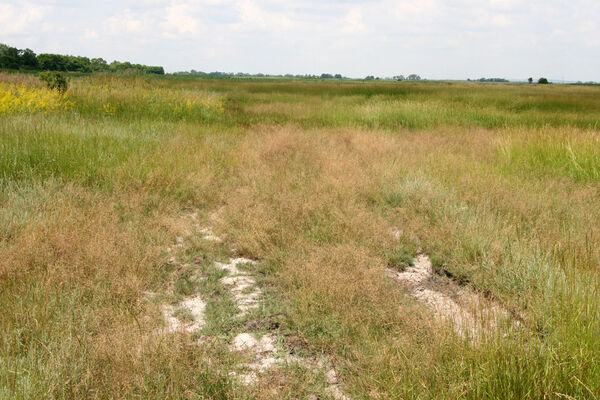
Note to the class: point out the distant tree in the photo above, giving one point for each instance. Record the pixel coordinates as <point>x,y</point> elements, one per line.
<point>52,62</point>
<point>543,81</point>
<point>13,58</point>
<point>413,77</point>
<point>9,57</point>
<point>154,70</point>
<point>338,76</point>
<point>493,80</point>
<point>326,76</point>
<point>54,80</point>
<point>530,80</point>
<point>399,77</point>
<point>370,78</point>
<point>98,64</point>
<point>28,59</point>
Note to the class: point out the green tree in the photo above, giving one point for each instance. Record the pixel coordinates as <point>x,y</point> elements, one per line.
<point>530,80</point>
<point>9,57</point>
<point>543,81</point>
<point>98,64</point>
<point>52,62</point>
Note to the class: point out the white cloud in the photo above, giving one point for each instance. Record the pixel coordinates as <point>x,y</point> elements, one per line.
<point>179,20</point>
<point>90,34</point>
<point>353,22</point>
<point>415,11</point>
<point>15,20</point>
<point>253,16</point>
<point>500,20</point>
<point>128,21</point>
<point>504,4</point>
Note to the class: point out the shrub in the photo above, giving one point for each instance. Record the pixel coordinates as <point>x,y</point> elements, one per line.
<point>54,80</point>
<point>543,81</point>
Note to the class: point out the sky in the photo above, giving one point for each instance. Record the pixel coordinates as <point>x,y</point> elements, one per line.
<point>437,39</point>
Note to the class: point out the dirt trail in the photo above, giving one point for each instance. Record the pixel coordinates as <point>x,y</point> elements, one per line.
<point>264,355</point>
<point>187,315</point>
<point>261,352</point>
<point>471,314</point>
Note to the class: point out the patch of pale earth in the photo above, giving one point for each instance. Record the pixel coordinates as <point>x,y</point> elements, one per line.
<point>396,233</point>
<point>447,309</point>
<point>231,267</point>
<point>173,324</point>
<point>239,282</point>
<point>265,356</point>
<point>195,307</point>
<point>470,314</point>
<point>336,392</point>
<point>262,351</point>
<point>417,274</point>
<point>334,388</point>
<point>243,341</point>
<point>178,244</point>
<point>207,234</point>
<point>242,286</point>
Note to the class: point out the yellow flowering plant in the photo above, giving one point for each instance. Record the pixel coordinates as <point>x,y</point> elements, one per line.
<point>20,98</point>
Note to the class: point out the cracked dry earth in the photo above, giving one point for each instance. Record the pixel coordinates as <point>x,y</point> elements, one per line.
<point>260,353</point>
<point>471,314</point>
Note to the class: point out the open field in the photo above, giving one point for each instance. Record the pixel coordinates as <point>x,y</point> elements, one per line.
<point>113,195</point>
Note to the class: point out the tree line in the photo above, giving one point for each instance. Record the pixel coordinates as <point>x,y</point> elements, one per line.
<point>219,74</point>
<point>27,59</point>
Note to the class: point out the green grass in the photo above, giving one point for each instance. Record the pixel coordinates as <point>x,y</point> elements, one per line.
<point>556,154</point>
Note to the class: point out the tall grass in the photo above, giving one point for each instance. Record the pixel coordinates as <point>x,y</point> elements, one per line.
<point>575,155</point>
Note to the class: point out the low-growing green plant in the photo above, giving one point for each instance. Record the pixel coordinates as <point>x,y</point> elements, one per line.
<point>401,259</point>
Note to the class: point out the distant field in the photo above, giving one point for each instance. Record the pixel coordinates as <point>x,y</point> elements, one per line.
<point>112,197</point>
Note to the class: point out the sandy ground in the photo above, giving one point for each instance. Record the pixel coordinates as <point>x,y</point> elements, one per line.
<point>471,314</point>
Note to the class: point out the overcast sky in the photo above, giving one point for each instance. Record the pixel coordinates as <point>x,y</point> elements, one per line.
<point>437,39</point>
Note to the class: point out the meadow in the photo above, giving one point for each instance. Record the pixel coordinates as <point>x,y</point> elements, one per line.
<point>498,183</point>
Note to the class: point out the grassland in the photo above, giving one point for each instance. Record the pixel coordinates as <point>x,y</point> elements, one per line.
<point>498,183</point>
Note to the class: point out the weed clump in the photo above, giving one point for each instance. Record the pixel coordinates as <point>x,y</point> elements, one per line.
<point>401,259</point>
